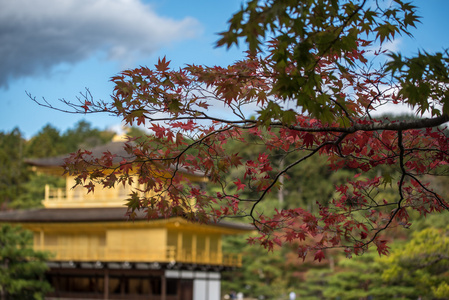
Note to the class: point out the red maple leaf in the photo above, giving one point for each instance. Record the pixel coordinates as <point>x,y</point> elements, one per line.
<point>162,64</point>
<point>319,255</point>
<point>86,106</point>
<point>382,247</point>
<point>239,184</point>
<point>125,166</point>
<point>308,139</point>
<point>90,187</point>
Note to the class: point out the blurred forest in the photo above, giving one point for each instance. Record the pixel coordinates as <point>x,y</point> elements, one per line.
<point>417,267</point>
<point>20,187</point>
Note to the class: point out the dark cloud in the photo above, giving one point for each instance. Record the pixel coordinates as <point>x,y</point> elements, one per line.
<point>36,35</point>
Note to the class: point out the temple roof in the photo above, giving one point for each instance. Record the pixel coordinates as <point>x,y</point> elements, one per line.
<point>83,215</point>
<point>114,147</point>
<point>100,214</point>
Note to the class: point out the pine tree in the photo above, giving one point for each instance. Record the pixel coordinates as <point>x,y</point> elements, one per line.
<point>21,268</point>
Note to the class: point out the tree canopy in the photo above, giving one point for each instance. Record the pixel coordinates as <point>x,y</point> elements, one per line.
<point>12,172</point>
<point>309,86</point>
<point>20,187</point>
<point>22,268</point>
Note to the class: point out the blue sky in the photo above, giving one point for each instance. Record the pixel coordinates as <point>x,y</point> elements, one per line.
<point>57,48</point>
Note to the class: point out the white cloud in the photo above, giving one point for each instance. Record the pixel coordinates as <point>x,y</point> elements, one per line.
<point>36,35</point>
<point>393,46</point>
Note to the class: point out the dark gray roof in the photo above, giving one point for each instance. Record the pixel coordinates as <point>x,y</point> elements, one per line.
<point>113,147</point>
<point>117,148</point>
<point>101,214</point>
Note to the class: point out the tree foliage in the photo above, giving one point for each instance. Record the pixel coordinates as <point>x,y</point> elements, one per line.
<point>21,268</point>
<point>416,268</point>
<point>33,190</point>
<point>261,275</point>
<point>20,187</point>
<point>12,172</point>
<point>422,263</point>
<point>307,87</point>
<point>50,142</point>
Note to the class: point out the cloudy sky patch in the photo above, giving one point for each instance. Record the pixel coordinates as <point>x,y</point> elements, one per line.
<point>38,35</point>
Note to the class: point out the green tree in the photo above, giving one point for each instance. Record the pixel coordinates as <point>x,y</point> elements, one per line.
<point>33,190</point>
<point>261,274</point>
<point>415,268</point>
<point>421,263</point>
<point>50,142</point>
<point>21,268</point>
<point>13,172</point>
<point>46,143</point>
<point>361,278</point>
<point>84,136</point>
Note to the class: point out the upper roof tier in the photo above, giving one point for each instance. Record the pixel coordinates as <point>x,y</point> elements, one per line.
<point>70,197</point>
<point>53,165</point>
<point>109,215</point>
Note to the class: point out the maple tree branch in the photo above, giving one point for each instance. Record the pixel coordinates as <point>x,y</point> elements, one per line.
<point>435,195</point>
<point>393,126</point>
<point>282,172</point>
<point>400,191</point>
<point>97,106</point>
<point>101,106</point>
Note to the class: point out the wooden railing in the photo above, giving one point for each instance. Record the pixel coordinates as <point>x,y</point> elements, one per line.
<point>52,193</point>
<point>110,254</point>
<point>59,197</point>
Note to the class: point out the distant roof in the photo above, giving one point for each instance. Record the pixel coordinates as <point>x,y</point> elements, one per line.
<point>117,148</point>
<point>65,215</point>
<point>113,147</point>
<point>80,215</point>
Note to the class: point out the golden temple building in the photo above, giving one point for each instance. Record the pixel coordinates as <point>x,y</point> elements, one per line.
<point>99,254</point>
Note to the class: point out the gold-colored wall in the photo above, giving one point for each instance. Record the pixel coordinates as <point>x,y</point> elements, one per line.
<point>121,241</point>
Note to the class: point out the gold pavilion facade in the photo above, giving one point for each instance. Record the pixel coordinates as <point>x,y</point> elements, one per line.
<point>97,253</point>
